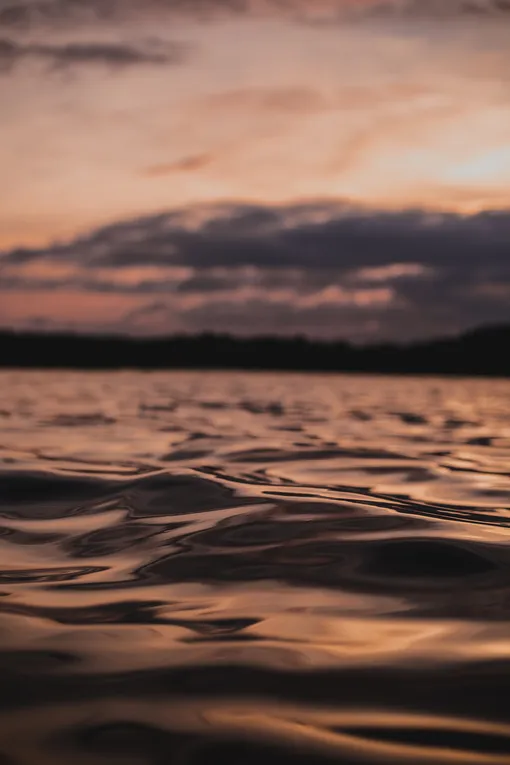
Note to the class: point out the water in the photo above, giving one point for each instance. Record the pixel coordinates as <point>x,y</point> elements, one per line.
<point>240,568</point>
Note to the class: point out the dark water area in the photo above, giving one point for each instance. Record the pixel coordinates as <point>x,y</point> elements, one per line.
<point>201,568</point>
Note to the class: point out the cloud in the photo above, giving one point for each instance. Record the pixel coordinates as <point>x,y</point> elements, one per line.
<point>185,165</point>
<point>314,268</point>
<point>115,55</point>
<point>314,236</point>
<point>294,100</point>
<point>320,237</point>
<point>391,272</point>
<point>24,14</point>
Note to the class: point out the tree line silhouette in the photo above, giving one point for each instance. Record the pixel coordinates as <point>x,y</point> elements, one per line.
<point>483,351</point>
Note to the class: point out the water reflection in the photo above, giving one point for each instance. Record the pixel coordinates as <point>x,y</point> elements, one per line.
<point>237,567</point>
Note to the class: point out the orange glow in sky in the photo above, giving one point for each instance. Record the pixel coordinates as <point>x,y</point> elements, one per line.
<point>384,104</point>
<point>390,112</point>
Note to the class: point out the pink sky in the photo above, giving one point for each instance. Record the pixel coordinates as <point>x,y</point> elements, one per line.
<point>108,117</point>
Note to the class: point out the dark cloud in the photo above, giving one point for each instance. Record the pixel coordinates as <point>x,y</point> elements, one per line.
<point>25,14</point>
<point>303,236</point>
<point>297,268</point>
<point>29,13</point>
<point>71,54</point>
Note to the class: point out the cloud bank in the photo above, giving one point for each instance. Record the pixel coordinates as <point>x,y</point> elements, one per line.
<point>322,269</point>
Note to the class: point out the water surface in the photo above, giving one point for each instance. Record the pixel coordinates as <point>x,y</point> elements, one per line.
<point>241,568</point>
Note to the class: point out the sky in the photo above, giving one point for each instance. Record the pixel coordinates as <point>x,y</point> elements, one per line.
<point>334,168</point>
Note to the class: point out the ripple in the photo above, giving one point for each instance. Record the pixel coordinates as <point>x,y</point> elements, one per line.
<point>429,559</point>
<point>229,567</point>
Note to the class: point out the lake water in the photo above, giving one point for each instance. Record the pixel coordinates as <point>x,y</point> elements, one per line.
<point>240,568</point>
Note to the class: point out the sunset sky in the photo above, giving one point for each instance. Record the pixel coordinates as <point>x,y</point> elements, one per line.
<point>328,167</point>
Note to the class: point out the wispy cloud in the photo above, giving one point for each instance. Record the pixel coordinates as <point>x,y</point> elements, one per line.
<point>185,165</point>
<point>74,54</point>
<point>295,100</point>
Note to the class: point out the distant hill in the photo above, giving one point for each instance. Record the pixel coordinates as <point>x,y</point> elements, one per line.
<point>483,351</point>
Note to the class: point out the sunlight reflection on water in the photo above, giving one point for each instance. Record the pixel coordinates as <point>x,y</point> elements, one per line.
<point>229,567</point>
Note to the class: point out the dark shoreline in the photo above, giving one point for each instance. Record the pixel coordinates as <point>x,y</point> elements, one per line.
<point>480,352</point>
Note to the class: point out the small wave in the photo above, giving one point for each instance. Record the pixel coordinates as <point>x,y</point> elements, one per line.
<point>213,567</point>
